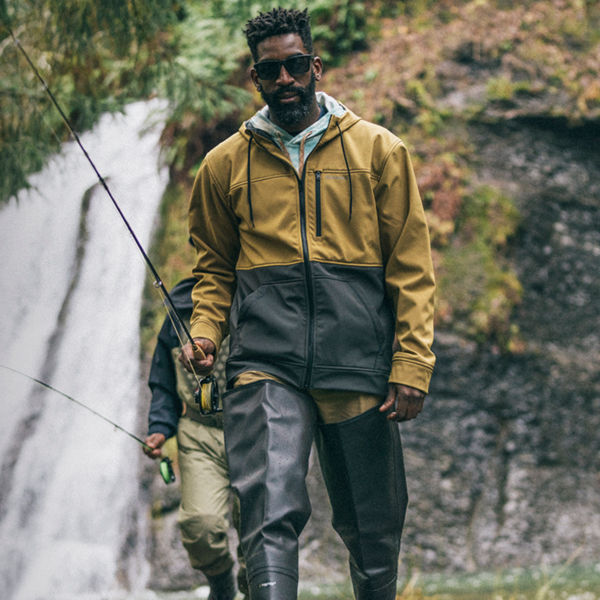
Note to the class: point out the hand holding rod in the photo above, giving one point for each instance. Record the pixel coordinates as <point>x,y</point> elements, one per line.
<point>166,469</point>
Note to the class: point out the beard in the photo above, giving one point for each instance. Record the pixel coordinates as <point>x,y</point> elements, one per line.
<point>296,112</point>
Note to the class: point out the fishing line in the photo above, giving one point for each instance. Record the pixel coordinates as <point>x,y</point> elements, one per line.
<point>199,381</point>
<point>158,283</point>
<point>166,468</point>
<point>206,395</point>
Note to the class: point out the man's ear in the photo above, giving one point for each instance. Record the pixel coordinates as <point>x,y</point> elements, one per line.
<point>318,67</point>
<point>255,79</point>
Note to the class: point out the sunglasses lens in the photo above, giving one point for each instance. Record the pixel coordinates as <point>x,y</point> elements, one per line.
<point>269,69</point>
<point>295,65</point>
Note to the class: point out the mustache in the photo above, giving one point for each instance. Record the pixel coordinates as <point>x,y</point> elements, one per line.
<point>286,90</point>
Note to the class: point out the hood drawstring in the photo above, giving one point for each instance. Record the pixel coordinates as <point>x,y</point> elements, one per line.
<point>249,192</point>
<point>347,169</point>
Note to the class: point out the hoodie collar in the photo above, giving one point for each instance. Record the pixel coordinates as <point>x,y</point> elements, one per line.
<point>261,123</point>
<point>298,146</point>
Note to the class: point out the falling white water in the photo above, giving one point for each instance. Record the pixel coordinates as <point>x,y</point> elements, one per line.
<point>68,480</point>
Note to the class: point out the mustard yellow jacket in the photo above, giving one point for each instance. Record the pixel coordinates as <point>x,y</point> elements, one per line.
<point>324,278</point>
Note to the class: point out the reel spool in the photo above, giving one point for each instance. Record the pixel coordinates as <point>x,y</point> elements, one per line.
<point>207,396</point>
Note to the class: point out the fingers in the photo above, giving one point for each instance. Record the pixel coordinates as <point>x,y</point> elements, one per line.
<point>407,409</point>
<point>403,403</point>
<point>153,444</point>
<point>199,358</point>
<point>389,401</point>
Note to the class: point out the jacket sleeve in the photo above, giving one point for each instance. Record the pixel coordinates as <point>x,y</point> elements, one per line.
<point>214,233</point>
<point>165,407</point>
<point>409,273</point>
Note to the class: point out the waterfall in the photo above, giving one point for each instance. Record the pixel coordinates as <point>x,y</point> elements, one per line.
<point>71,282</point>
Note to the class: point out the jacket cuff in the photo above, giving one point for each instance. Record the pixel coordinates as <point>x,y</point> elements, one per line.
<point>163,428</point>
<point>413,374</point>
<point>205,329</point>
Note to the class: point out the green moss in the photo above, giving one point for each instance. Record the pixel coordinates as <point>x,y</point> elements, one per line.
<point>500,88</point>
<point>478,288</point>
<point>490,215</point>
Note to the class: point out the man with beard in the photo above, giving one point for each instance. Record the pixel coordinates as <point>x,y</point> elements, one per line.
<point>313,251</point>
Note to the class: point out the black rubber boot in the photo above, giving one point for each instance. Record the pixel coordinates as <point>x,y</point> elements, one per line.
<point>363,469</point>
<point>222,586</point>
<point>269,429</point>
<point>273,586</point>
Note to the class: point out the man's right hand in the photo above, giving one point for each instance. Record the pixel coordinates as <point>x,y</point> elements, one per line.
<point>154,442</point>
<point>193,360</point>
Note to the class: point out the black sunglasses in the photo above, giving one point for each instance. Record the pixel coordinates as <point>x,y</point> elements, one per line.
<point>294,65</point>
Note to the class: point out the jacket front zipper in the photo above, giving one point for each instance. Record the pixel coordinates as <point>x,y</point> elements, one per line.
<point>308,281</point>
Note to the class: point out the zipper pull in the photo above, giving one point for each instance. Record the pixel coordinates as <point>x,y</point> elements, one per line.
<point>318,202</point>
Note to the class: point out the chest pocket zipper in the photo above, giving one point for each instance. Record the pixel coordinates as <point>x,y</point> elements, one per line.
<point>318,201</point>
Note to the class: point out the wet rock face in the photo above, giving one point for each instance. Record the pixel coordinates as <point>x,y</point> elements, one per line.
<point>504,463</point>
<point>555,178</point>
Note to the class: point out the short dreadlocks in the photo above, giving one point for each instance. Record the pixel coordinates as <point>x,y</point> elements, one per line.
<point>278,21</point>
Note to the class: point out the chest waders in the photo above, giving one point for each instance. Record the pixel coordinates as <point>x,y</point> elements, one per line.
<point>269,430</point>
<point>363,468</point>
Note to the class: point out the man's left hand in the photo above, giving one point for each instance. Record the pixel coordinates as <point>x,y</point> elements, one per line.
<point>403,402</point>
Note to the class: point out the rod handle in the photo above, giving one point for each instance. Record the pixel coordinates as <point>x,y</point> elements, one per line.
<point>198,352</point>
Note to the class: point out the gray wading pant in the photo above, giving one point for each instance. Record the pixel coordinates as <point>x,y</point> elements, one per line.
<point>269,430</point>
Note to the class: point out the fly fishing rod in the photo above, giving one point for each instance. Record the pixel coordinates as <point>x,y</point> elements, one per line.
<point>206,395</point>
<point>165,465</point>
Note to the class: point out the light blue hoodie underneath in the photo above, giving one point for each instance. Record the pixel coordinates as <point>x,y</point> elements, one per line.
<point>298,146</point>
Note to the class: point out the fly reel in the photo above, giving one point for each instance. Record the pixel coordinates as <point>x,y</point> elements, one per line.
<point>207,396</point>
